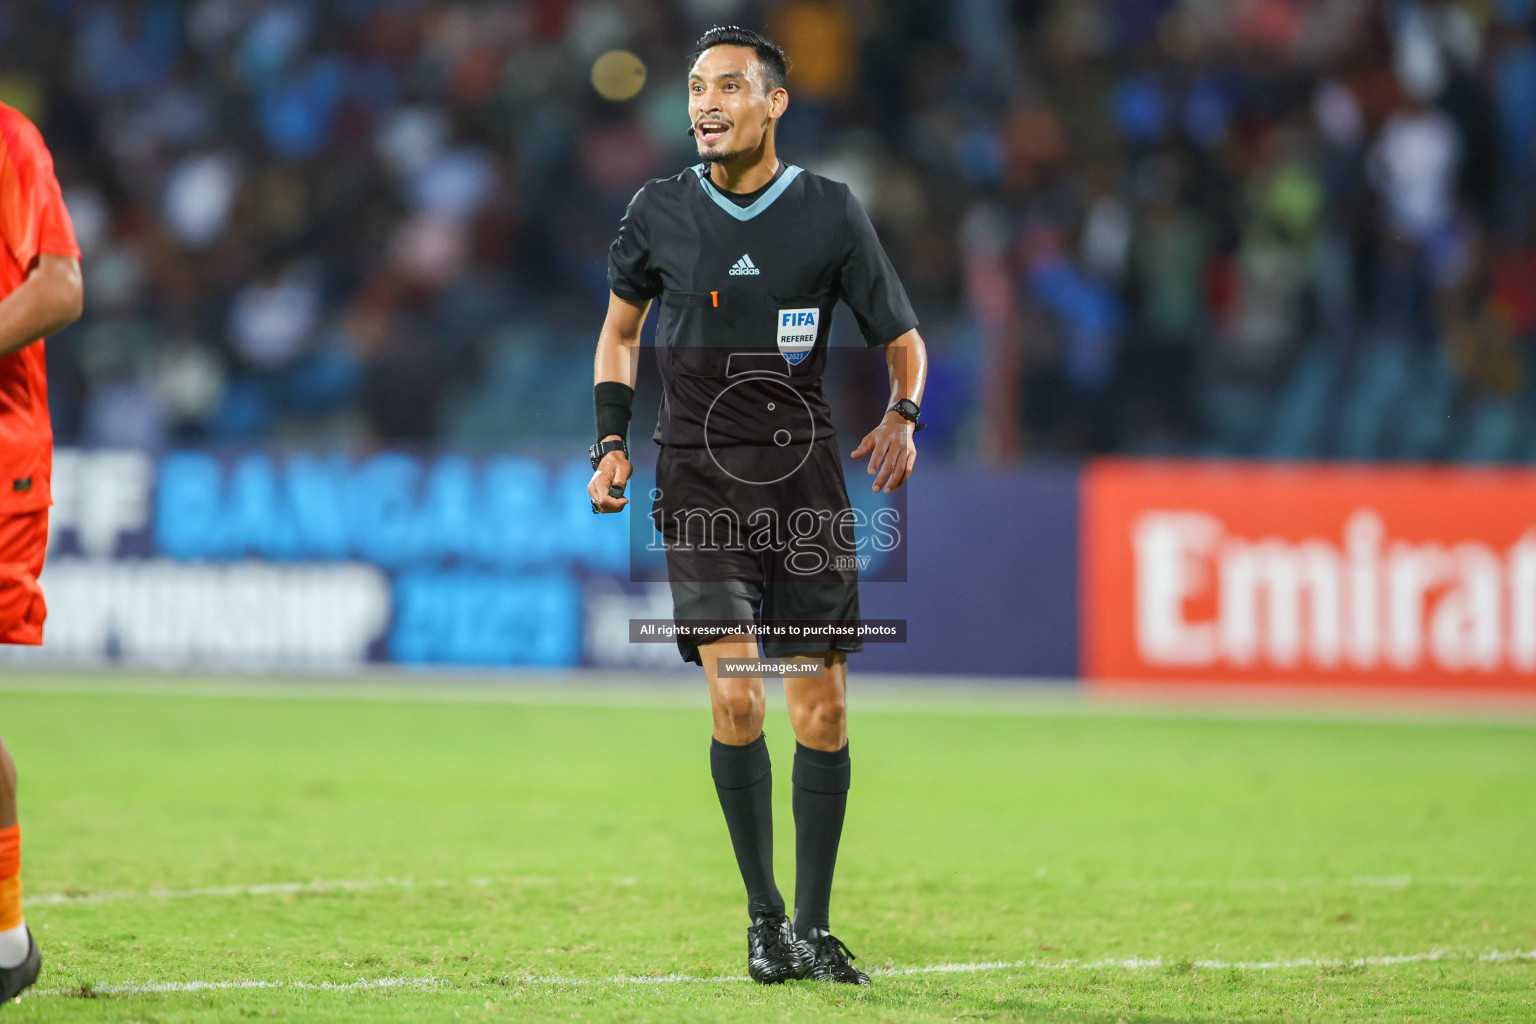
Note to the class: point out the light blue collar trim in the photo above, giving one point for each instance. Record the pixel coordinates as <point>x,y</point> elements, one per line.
<point>761,203</point>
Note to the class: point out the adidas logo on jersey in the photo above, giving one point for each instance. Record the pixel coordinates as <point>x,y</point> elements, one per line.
<point>744,267</point>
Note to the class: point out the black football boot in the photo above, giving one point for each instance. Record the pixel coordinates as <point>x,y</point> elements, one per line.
<point>773,952</point>
<point>14,979</point>
<point>832,959</point>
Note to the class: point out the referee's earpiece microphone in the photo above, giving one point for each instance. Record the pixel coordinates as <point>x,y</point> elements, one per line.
<point>690,131</point>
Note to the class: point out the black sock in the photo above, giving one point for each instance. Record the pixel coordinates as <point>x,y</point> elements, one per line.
<point>820,798</point>
<point>744,783</point>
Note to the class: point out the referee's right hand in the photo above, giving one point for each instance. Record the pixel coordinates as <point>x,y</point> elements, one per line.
<point>613,471</point>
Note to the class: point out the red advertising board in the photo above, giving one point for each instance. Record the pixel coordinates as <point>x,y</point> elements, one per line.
<point>1304,574</point>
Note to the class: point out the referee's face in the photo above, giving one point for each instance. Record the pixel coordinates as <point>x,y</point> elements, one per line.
<point>729,102</point>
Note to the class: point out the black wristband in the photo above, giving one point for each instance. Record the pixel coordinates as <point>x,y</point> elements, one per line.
<point>614,402</point>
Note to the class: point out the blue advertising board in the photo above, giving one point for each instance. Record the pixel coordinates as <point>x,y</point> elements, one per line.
<point>991,576</point>
<point>298,560</point>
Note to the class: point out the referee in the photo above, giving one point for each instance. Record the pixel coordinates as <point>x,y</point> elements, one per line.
<point>748,257</point>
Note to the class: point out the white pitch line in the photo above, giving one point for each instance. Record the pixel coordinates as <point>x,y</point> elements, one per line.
<point>634,979</point>
<point>1314,881</point>
<point>1125,964</point>
<point>156,988</point>
<point>323,885</point>
<point>1143,963</point>
<point>319,885</point>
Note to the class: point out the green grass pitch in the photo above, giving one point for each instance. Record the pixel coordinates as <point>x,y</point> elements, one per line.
<point>378,852</point>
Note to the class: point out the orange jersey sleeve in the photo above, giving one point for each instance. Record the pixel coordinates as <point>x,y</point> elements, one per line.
<point>33,219</point>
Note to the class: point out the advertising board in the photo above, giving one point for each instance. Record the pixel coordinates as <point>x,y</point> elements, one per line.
<point>1421,577</point>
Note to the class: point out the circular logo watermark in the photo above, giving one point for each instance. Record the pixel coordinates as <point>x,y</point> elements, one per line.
<point>778,413</point>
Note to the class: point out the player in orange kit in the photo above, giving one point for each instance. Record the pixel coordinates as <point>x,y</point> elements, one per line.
<point>40,293</point>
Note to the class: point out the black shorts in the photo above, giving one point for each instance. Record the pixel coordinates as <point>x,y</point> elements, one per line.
<point>758,534</point>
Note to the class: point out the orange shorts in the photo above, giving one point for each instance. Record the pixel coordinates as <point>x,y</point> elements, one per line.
<point>23,543</point>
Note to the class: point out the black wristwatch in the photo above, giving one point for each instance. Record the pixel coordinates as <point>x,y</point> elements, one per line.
<point>601,448</point>
<point>908,410</point>
<point>596,452</point>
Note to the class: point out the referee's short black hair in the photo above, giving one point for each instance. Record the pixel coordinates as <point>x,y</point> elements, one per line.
<point>769,55</point>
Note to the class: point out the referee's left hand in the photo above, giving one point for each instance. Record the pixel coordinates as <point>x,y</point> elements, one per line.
<point>894,453</point>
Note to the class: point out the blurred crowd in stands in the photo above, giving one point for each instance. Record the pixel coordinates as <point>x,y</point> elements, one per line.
<point>1286,228</point>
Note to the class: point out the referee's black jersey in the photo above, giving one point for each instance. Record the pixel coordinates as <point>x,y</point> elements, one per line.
<point>746,296</point>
